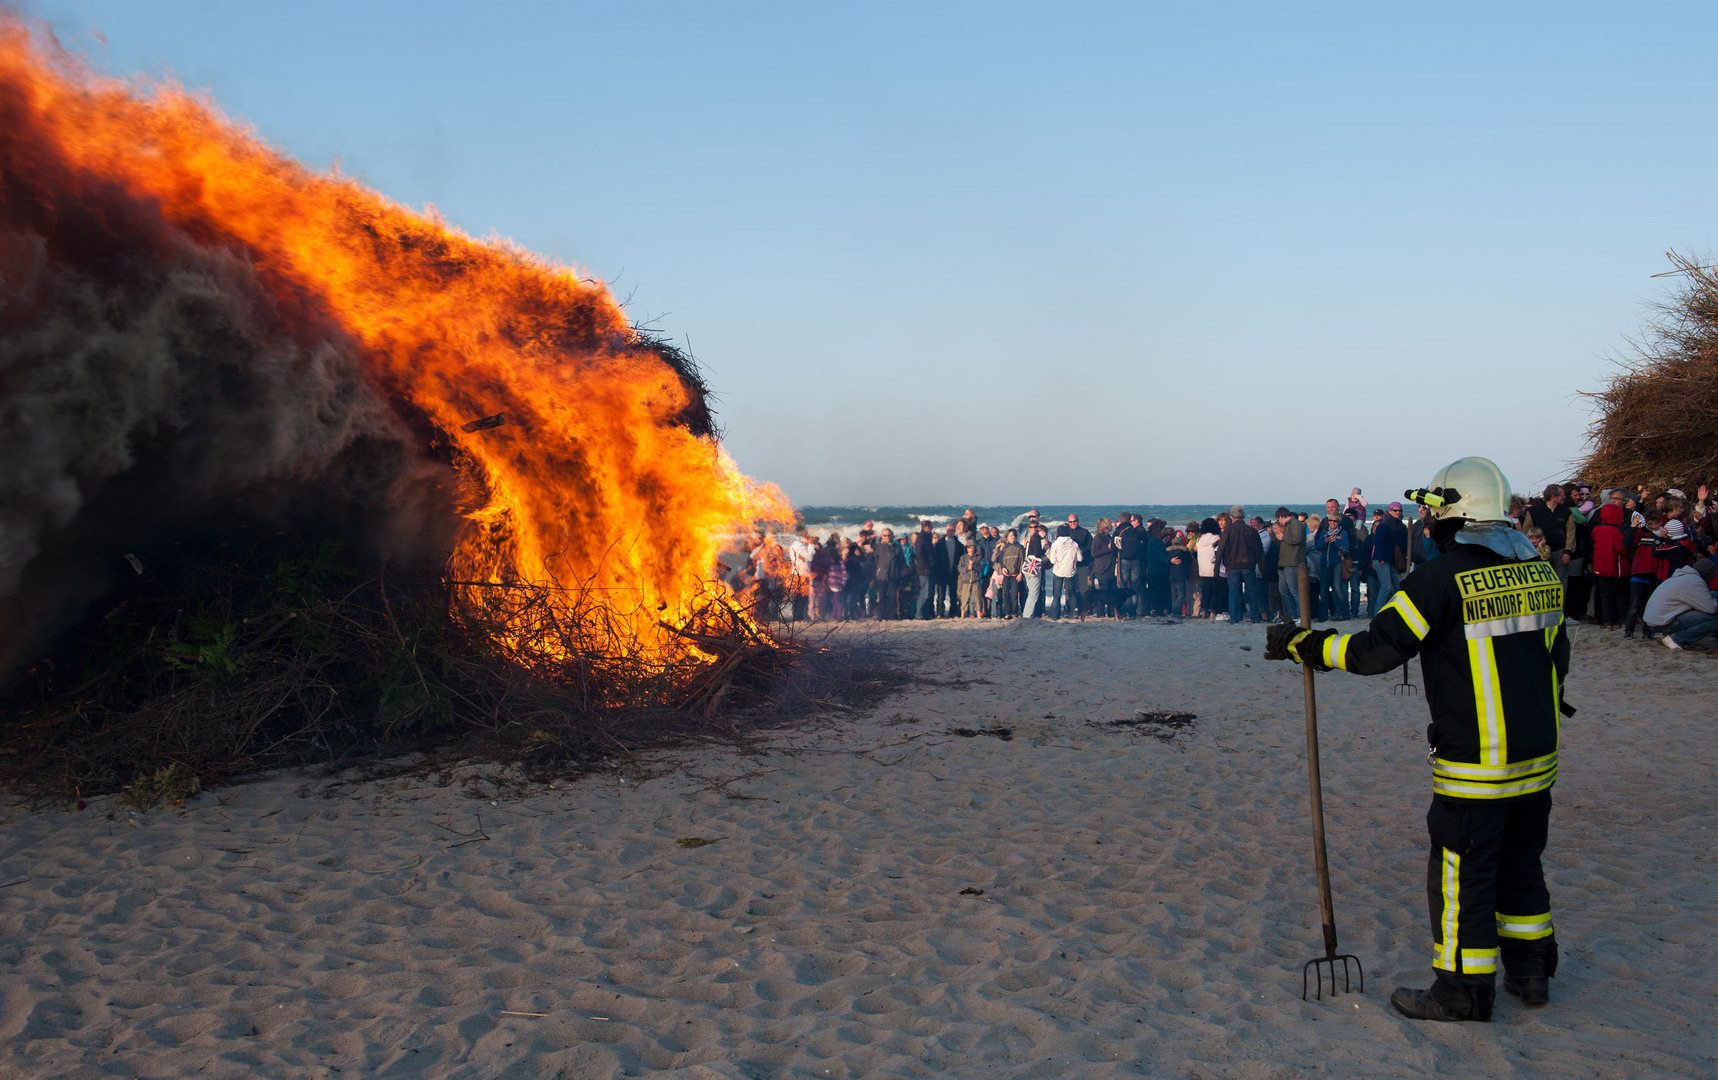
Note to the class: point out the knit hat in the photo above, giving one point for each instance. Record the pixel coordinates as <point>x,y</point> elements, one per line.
<point>1673,529</point>
<point>1704,568</point>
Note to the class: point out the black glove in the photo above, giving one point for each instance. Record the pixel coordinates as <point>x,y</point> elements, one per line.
<point>1277,639</point>
<point>1285,641</point>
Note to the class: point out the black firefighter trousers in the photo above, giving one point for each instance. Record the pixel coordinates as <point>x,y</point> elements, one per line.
<point>1487,895</point>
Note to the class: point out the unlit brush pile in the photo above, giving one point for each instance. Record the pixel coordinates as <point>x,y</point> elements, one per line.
<point>1658,417</point>
<point>234,656</point>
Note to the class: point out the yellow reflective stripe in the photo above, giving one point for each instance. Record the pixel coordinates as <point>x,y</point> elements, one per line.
<point>1458,790</point>
<point>1487,702</point>
<point>1335,653</point>
<point>1478,961</point>
<point>1447,951</point>
<point>1467,770</point>
<point>1524,927</point>
<point>1410,614</point>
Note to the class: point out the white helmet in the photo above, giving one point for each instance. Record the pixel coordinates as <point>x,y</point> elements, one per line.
<point>1473,488</point>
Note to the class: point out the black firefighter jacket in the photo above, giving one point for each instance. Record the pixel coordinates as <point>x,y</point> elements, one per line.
<point>1489,631</point>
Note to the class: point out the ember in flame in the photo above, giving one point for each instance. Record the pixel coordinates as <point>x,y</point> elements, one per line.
<point>586,460</point>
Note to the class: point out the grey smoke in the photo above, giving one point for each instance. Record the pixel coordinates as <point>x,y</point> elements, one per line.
<point>148,391</point>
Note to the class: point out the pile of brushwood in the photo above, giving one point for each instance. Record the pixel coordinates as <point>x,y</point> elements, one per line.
<point>236,656</point>
<point>1658,417</point>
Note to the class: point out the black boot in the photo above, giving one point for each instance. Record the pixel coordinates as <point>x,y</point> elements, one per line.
<point>1533,990</point>
<point>1423,1005</point>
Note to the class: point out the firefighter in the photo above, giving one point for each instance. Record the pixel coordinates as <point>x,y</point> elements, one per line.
<point>1486,618</point>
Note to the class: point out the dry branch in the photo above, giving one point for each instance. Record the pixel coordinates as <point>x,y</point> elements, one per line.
<point>290,657</point>
<point>1658,415</point>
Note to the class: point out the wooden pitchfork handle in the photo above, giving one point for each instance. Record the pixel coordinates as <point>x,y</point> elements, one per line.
<point>1326,908</point>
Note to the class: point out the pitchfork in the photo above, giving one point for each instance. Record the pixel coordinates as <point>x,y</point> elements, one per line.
<point>1315,967</point>
<point>1405,687</point>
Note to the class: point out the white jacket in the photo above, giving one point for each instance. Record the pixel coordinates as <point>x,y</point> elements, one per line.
<point>801,551</point>
<point>1681,592</point>
<point>1206,547</point>
<point>1064,556</point>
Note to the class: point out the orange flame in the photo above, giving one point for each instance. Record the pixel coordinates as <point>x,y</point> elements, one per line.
<point>593,479</point>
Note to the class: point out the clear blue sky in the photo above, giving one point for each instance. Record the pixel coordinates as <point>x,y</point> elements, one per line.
<point>1080,253</point>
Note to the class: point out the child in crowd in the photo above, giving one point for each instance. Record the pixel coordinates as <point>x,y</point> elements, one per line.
<point>1643,570</point>
<point>1536,537</point>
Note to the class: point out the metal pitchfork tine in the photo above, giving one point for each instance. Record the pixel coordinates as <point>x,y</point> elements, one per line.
<point>1405,687</point>
<point>1315,966</point>
<point>1326,909</point>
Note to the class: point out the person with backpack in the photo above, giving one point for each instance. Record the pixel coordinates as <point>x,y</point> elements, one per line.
<point>1389,555</point>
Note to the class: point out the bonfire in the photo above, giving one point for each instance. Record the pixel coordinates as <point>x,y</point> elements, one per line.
<point>295,471</point>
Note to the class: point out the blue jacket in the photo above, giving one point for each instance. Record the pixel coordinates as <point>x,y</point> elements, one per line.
<point>1388,538</point>
<point>1183,570</point>
<point>1156,557</point>
<point>1331,551</point>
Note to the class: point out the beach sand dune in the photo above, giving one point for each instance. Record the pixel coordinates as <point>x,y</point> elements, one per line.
<point>1146,902</point>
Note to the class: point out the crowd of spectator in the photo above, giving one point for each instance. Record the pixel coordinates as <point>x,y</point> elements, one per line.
<point>1615,552</point>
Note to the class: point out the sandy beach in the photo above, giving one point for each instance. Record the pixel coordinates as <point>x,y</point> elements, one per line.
<point>1146,903</point>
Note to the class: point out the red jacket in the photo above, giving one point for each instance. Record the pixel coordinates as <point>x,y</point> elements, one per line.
<point>1648,564</point>
<point>1666,567</point>
<point>1611,543</point>
<point>1641,563</point>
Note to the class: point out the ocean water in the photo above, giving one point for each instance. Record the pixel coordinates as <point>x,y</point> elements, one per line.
<point>847,520</point>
